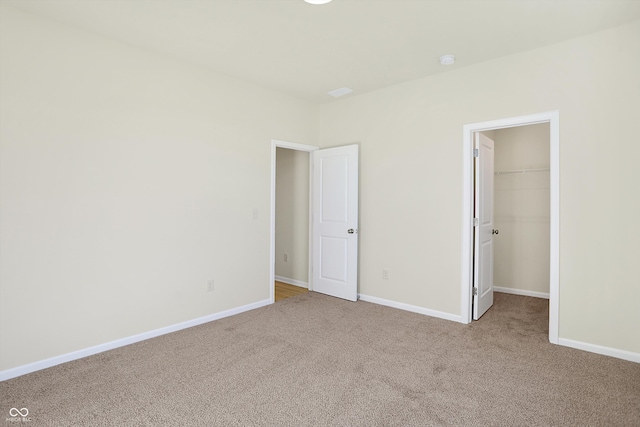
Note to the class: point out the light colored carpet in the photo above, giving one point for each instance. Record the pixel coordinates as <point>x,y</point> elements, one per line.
<point>313,360</point>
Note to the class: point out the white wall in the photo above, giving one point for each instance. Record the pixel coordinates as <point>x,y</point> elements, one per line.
<point>522,209</point>
<point>292,216</point>
<point>411,177</point>
<point>127,181</point>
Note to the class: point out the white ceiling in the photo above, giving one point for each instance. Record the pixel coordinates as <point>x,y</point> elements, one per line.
<point>307,50</point>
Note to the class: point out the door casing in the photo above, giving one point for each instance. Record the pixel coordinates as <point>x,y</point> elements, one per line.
<point>466,287</point>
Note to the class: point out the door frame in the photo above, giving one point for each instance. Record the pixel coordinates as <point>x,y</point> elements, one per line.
<point>466,290</point>
<point>275,144</point>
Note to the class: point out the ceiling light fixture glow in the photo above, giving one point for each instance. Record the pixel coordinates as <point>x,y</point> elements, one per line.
<point>317,1</point>
<point>447,59</point>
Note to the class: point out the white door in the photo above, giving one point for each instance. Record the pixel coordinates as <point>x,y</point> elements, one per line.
<point>335,222</point>
<point>484,230</point>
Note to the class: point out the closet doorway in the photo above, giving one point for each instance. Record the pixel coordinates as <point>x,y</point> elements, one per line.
<point>521,210</point>
<point>551,121</point>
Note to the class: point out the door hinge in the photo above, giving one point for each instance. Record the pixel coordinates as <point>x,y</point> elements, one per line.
<point>475,152</point>
<point>475,291</point>
<point>475,222</point>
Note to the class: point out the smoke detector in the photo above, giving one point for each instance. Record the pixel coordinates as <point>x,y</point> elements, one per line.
<point>336,93</point>
<point>447,59</point>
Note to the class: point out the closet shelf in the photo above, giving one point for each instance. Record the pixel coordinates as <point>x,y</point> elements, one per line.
<point>521,171</point>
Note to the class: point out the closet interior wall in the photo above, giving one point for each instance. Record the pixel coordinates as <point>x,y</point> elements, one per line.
<point>522,210</point>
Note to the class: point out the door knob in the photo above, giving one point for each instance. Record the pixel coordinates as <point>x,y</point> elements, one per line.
<point>495,231</point>
<point>351,231</point>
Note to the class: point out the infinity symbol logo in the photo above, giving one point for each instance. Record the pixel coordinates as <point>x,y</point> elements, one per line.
<point>14,412</point>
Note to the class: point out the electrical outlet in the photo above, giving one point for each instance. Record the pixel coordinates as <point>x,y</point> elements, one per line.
<point>210,286</point>
<point>286,257</point>
<point>385,274</point>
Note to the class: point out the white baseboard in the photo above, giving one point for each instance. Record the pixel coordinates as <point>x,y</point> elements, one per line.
<point>411,308</point>
<point>522,292</point>
<point>292,282</point>
<point>606,351</point>
<point>57,360</point>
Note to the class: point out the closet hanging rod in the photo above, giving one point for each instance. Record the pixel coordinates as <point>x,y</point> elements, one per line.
<point>521,171</point>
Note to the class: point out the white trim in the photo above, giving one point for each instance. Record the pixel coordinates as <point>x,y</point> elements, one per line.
<point>293,145</point>
<point>606,351</point>
<point>553,118</point>
<point>554,232</point>
<point>275,143</point>
<point>293,282</point>
<point>409,307</point>
<point>57,360</point>
<point>522,292</point>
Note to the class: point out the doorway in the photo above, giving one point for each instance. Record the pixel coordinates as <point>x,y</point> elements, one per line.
<point>294,152</point>
<point>468,256</point>
<point>333,218</point>
<point>521,210</point>
<point>291,222</point>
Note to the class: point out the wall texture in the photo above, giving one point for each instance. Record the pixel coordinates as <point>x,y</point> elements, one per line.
<point>411,177</point>
<point>522,216</point>
<point>128,180</point>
